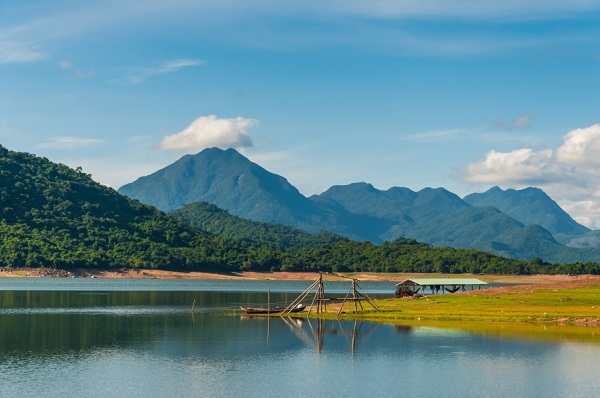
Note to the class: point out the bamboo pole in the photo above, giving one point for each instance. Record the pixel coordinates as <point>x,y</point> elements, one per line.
<point>299,299</point>
<point>318,295</point>
<point>363,293</point>
<point>355,296</point>
<point>344,302</point>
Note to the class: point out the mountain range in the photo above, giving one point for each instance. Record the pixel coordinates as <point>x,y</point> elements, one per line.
<point>519,224</point>
<point>56,217</point>
<point>530,206</point>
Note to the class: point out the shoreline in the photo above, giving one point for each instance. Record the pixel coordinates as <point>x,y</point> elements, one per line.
<point>252,275</point>
<point>526,299</point>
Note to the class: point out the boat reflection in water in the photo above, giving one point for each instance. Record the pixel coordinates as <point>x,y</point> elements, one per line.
<point>271,310</point>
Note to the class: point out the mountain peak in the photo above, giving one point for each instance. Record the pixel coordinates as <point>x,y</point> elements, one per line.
<point>529,206</point>
<point>224,178</point>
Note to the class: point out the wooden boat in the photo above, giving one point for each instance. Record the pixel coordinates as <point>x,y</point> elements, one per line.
<point>272,310</point>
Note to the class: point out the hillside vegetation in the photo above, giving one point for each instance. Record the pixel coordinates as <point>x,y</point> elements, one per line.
<point>218,221</point>
<point>325,252</point>
<point>54,216</point>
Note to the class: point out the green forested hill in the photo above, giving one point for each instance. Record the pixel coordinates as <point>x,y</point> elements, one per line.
<point>54,216</point>
<point>407,255</point>
<point>215,220</point>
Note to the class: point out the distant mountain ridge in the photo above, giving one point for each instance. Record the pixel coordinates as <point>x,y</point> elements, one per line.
<point>56,217</point>
<point>232,182</point>
<point>359,211</point>
<point>529,206</point>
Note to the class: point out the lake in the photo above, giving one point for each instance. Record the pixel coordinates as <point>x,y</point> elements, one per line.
<point>187,338</point>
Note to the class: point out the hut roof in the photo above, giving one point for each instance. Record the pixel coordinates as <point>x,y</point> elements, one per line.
<point>441,282</point>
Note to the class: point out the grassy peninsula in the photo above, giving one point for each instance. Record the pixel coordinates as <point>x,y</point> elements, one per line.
<point>558,311</point>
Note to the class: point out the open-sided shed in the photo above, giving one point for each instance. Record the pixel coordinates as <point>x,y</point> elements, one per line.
<point>410,287</point>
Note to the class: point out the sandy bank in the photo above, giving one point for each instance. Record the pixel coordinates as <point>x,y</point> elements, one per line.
<point>368,276</point>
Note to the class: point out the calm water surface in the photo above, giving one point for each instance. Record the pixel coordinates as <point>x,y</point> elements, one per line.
<point>129,338</point>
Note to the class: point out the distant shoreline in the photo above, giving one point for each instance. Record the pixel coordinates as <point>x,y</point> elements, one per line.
<point>129,273</point>
<point>530,299</point>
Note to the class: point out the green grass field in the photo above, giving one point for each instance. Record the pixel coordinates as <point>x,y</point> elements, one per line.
<point>552,311</point>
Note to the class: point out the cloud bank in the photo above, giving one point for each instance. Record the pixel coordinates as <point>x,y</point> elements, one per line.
<point>568,173</point>
<point>210,131</point>
<point>36,29</point>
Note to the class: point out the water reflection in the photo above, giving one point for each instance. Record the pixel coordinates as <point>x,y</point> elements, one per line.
<point>105,344</point>
<point>313,332</point>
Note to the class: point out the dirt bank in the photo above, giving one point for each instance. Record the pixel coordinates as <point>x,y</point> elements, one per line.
<point>367,276</point>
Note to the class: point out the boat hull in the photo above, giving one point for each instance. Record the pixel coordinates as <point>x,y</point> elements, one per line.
<point>272,310</point>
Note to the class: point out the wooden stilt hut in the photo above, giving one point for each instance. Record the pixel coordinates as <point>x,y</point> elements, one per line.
<point>421,286</point>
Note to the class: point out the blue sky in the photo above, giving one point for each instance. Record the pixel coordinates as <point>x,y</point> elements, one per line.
<point>459,94</point>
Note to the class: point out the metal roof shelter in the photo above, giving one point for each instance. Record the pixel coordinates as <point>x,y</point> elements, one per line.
<point>410,287</point>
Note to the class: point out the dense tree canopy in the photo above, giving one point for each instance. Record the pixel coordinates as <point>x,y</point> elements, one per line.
<point>406,255</point>
<point>54,216</point>
<point>213,219</point>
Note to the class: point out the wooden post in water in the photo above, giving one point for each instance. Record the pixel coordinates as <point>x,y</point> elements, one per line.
<point>192,312</point>
<point>321,306</point>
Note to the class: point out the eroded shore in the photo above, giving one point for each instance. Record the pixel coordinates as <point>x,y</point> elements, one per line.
<point>367,276</point>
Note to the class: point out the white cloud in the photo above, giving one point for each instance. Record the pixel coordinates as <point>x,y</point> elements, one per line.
<point>210,131</point>
<point>12,53</point>
<point>569,173</point>
<point>141,74</point>
<point>64,142</point>
<point>586,212</point>
<point>574,163</point>
<point>581,147</point>
<point>521,166</point>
